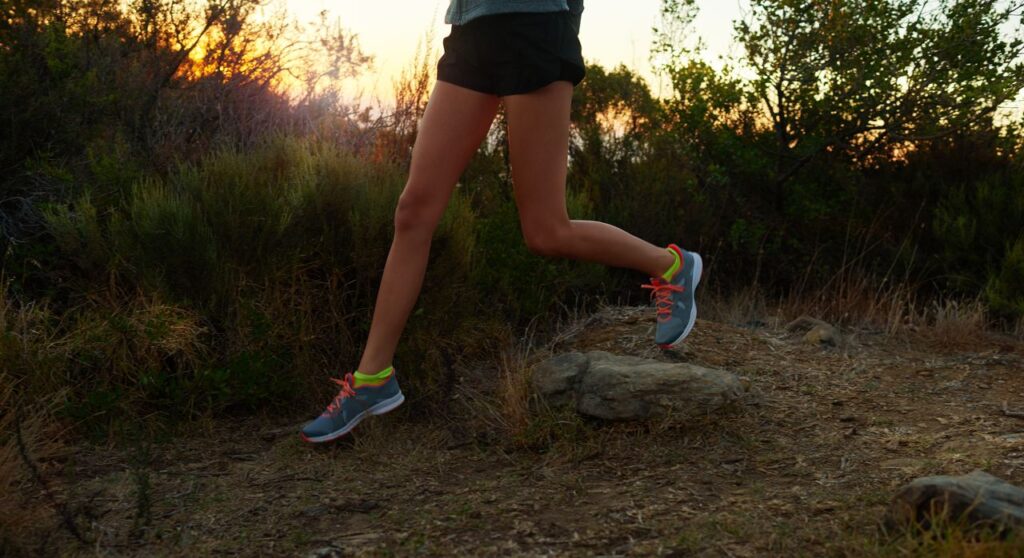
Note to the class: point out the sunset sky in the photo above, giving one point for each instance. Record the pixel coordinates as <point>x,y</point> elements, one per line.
<point>613,31</point>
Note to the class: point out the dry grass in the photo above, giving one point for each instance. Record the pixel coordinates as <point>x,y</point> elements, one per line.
<point>858,303</point>
<point>503,409</point>
<point>951,322</point>
<point>514,390</point>
<point>30,355</point>
<point>854,299</point>
<point>31,351</point>
<point>25,432</point>
<point>951,538</point>
<point>499,399</point>
<point>137,332</point>
<point>117,340</point>
<point>747,306</point>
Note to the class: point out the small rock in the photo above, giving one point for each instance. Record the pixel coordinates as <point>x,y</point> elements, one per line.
<point>818,332</point>
<point>614,387</point>
<point>824,507</point>
<point>979,498</point>
<point>822,335</point>
<point>358,505</point>
<point>314,511</point>
<point>326,552</point>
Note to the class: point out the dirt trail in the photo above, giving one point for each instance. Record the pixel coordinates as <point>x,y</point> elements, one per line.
<point>805,467</point>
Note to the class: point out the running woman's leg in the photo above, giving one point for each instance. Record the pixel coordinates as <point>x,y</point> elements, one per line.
<point>538,135</point>
<point>454,124</point>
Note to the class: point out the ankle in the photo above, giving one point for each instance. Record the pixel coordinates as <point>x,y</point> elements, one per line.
<point>667,265</point>
<point>382,373</point>
<point>372,365</point>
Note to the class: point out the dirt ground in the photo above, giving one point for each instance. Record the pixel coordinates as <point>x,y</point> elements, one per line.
<point>804,467</point>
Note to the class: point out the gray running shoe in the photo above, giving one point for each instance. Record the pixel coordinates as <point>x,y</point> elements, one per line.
<point>352,405</point>
<point>674,299</point>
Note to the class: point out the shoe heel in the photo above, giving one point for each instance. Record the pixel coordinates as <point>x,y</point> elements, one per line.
<point>698,269</point>
<point>388,405</point>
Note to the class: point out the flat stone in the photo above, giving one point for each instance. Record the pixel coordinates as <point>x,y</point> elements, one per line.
<point>614,387</point>
<point>979,498</point>
<point>556,377</point>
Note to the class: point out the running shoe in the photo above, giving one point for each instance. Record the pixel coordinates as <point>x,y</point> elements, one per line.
<point>351,406</point>
<point>674,299</point>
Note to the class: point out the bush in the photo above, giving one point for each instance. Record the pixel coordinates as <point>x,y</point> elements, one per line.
<point>242,281</point>
<point>1005,289</point>
<point>529,285</point>
<point>980,227</point>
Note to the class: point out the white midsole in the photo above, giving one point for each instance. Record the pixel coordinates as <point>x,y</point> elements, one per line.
<point>378,409</point>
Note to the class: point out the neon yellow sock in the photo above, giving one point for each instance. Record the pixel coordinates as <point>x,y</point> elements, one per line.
<point>362,379</point>
<point>675,266</point>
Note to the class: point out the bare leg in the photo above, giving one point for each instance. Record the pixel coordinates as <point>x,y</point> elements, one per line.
<point>455,122</point>
<point>538,130</point>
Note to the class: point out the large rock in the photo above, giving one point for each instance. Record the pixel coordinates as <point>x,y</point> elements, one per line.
<point>613,387</point>
<point>978,498</point>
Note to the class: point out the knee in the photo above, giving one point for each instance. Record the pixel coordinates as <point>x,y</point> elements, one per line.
<point>414,213</point>
<point>549,242</point>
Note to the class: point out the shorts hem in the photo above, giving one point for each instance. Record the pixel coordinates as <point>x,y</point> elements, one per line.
<point>570,73</point>
<point>462,81</point>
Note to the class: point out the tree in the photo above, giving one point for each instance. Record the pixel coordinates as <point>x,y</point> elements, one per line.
<point>867,77</point>
<point>87,84</point>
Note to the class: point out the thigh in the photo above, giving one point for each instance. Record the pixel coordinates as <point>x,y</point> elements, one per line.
<point>538,137</point>
<point>453,126</point>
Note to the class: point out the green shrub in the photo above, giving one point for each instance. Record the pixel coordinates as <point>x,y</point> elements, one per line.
<point>1005,289</point>
<point>524,283</point>
<point>243,281</point>
<point>980,226</point>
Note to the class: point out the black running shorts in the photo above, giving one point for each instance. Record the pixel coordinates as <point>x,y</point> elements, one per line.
<point>513,53</point>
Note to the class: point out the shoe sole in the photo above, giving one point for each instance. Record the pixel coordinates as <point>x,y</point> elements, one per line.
<point>698,269</point>
<point>379,409</point>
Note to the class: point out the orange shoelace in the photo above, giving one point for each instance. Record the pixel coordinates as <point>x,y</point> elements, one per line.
<point>347,390</point>
<point>661,292</point>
